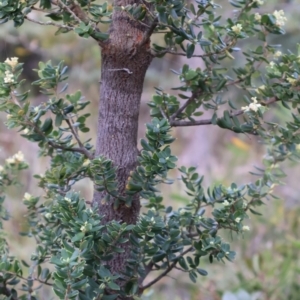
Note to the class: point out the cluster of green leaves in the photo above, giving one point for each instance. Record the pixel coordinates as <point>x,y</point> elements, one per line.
<point>84,25</point>
<point>154,161</point>
<point>71,237</point>
<point>204,89</point>
<point>165,238</point>
<point>54,125</point>
<point>15,10</point>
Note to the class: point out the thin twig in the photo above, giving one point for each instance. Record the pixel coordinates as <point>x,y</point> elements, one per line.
<point>66,7</point>
<point>184,106</point>
<point>81,146</point>
<point>146,5</point>
<point>167,51</point>
<point>163,113</point>
<point>49,23</point>
<point>84,151</point>
<point>164,273</point>
<point>33,278</point>
<point>179,123</point>
<point>54,145</point>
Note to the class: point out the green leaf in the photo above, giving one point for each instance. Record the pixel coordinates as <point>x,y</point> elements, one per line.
<point>190,50</point>
<point>183,263</point>
<point>58,120</point>
<point>202,272</point>
<point>101,36</point>
<point>78,237</point>
<point>113,286</point>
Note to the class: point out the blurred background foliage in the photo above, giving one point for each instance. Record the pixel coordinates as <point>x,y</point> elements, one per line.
<point>268,261</point>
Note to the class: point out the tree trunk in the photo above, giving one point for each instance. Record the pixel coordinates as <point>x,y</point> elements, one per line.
<point>125,61</point>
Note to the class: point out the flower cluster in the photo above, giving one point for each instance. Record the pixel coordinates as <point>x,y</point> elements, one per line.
<point>277,54</point>
<point>292,81</point>
<point>17,158</point>
<point>9,77</point>
<point>12,61</point>
<point>226,203</point>
<point>27,196</point>
<point>280,18</point>
<point>257,17</point>
<point>260,88</point>
<point>237,28</point>
<point>252,106</point>
<point>245,228</point>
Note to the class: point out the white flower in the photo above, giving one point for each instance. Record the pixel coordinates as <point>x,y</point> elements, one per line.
<point>86,163</point>
<point>10,160</point>
<point>238,220</point>
<point>259,2</point>
<point>67,199</point>
<point>9,77</point>
<point>272,64</point>
<point>252,106</point>
<point>48,215</point>
<point>19,156</point>
<point>83,228</point>
<point>1,169</point>
<point>8,116</point>
<point>245,204</point>
<point>26,130</point>
<point>260,88</point>
<point>277,54</point>
<point>292,81</point>
<point>226,203</point>
<point>257,17</point>
<point>27,196</point>
<point>246,228</point>
<point>211,243</point>
<point>280,18</point>
<point>237,28</point>
<point>12,61</point>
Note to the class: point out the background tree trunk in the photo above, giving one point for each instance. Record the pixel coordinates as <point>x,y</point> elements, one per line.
<point>125,61</point>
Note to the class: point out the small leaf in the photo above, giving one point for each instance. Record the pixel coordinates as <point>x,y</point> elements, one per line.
<point>190,50</point>
<point>113,286</point>
<point>78,237</point>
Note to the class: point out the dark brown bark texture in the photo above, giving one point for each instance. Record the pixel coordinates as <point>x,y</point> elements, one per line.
<point>125,60</point>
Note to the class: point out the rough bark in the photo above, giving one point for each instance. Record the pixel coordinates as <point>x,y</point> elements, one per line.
<point>125,60</point>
